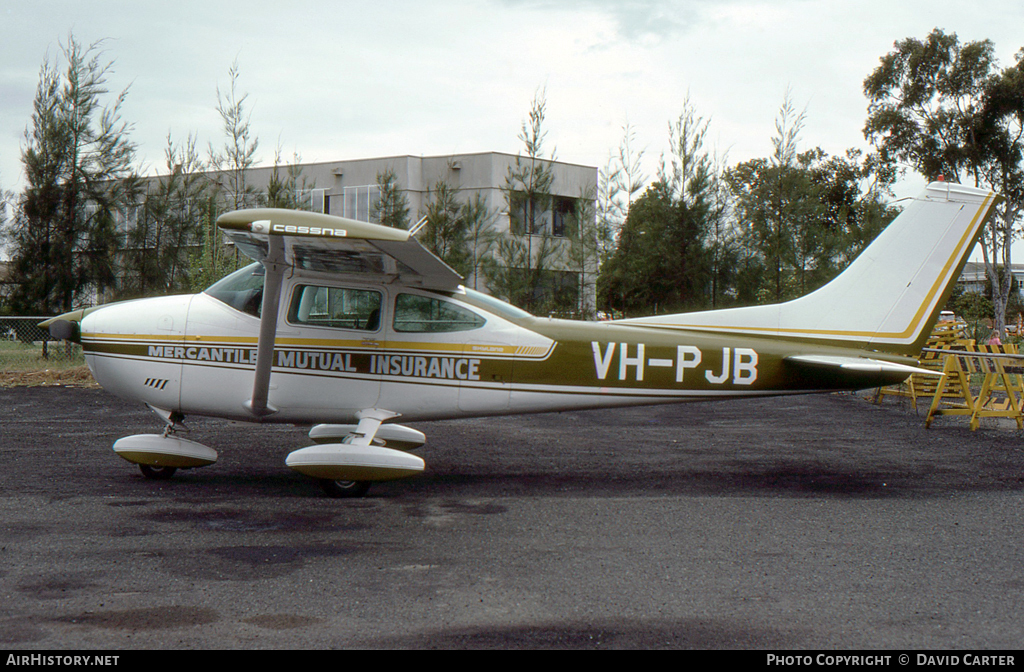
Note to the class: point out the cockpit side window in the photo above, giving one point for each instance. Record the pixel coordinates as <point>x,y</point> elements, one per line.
<point>337,307</point>
<point>414,313</point>
<point>242,290</point>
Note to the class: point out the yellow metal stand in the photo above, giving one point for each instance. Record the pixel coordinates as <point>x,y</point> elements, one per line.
<point>954,384</point>
<point>945,335</point>
<point>1002,389</point>
<point>1002,378</point>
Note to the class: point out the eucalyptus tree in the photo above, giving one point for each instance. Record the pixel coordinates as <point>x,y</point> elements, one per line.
<point>944,108</point>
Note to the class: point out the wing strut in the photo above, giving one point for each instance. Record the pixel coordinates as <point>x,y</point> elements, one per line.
<point>274,266</point>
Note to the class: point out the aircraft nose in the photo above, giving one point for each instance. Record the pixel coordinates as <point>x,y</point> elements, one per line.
<point>68,326</point>
<point>66,330</point>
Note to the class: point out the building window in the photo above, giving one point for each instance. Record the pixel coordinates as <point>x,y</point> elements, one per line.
<point>557,219</point>
<point>527,215</point>
<point>563,216</point>
<point>355,202</point>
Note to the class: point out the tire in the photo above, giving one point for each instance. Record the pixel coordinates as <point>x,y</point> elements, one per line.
<point>157,473</point>
<point>344,489</point>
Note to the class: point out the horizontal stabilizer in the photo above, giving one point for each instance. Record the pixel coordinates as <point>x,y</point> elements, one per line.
<point>859,364</point>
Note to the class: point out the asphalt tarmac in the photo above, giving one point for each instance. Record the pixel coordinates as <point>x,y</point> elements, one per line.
<point>821,522</point>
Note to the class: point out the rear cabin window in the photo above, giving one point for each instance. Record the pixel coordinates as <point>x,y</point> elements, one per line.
<point>337,307</point>
<point>419,314</point>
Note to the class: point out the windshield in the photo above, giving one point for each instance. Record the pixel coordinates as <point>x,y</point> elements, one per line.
<point>242,290</point>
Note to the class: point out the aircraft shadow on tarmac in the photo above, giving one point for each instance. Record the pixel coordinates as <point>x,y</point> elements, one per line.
<point>816,446</point>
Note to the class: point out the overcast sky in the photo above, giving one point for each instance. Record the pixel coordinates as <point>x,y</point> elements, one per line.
<point>343,80</point>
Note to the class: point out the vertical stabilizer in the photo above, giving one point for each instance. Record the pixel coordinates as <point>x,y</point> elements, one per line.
<point>889,297</point>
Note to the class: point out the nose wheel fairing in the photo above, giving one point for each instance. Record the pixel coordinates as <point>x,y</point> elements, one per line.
<point>159,450</point>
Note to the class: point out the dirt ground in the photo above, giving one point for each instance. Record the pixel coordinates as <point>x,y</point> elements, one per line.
<point>819,522</point>
<point>78,376</point>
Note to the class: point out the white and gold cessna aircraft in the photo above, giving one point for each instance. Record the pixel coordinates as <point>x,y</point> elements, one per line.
<point>353,325</point>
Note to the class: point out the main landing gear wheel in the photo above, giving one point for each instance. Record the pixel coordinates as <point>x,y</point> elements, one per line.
<point>343,489</point>
<point>157,473</point>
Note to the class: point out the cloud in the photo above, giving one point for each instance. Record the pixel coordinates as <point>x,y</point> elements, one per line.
<point>633,19</point>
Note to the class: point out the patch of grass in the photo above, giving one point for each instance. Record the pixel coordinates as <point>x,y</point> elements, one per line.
<point>17,357</point>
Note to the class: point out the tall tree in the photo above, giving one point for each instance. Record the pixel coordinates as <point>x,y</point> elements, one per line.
<point>777,207</point>
<point>81,182</point>
<point>657,265</point>
<point>285,190</point>
<point>211,260</point>
<point>238,155</point>
<point>722,240</point>
<point>1001,134</point>
<point>444,232</point>
<point>528,184</point>
<point>156,256</point>
<point>480,236</point>
<point>665,251</point>
<point>942,107</point>
<point>8,205</point>
<point>803,215</point>
<point>584,234</point>
<point>619,184</point>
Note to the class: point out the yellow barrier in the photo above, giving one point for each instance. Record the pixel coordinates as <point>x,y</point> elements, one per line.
<point>945,335</point>
<point>1002,388</point>
<point>1001,392</point>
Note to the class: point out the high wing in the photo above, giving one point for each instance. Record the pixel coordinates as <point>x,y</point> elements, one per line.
<point>313,242</point>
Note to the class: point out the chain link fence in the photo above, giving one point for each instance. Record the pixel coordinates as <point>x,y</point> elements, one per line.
<point>25,346</point>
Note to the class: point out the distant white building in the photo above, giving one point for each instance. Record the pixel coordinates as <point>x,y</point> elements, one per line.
<point>974,279</point>
<point>349,189</point>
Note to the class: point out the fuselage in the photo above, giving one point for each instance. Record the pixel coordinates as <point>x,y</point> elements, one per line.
<point>345,346</point>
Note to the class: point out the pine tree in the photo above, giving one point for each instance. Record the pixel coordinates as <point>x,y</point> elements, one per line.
<point>391,207</point>
<point>81,186</point>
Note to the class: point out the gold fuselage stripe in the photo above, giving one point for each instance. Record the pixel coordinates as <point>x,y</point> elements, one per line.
<point>497,350</point>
